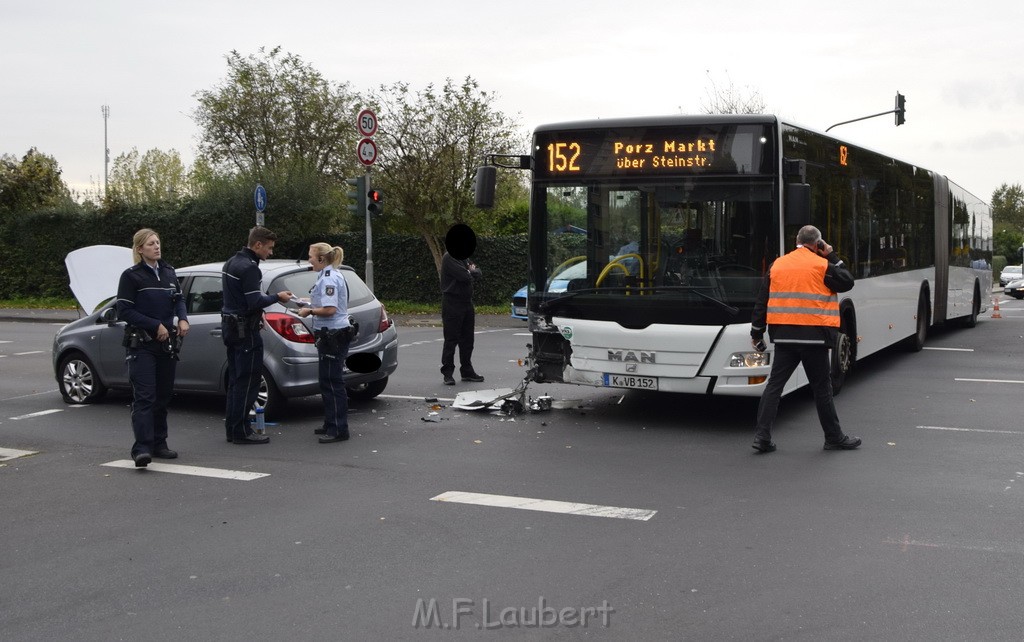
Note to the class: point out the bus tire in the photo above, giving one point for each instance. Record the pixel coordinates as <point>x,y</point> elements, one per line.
<point>915,342</point>
<point>842,355</point>
<point>971,320</point>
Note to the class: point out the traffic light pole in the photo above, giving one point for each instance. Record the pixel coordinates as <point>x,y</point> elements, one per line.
<point>369,239</point>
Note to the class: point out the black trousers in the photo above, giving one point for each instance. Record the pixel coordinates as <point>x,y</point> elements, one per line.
<point>245,368</point>
<point>815,360</point>
<point>332,389</point>
<point>458,319</point>
<point>151,374</point>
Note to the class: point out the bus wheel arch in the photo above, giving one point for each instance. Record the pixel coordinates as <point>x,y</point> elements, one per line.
<point>844,352</point>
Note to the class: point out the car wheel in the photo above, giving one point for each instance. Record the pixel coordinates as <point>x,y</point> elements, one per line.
<point>366,391</point>
<point>78,380</point>
<point>270,398</point>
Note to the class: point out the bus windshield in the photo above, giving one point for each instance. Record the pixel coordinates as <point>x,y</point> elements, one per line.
<point>704,242</point>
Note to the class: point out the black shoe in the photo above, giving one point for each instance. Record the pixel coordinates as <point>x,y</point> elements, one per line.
<point>165,453</point>
<point>848,443</point>
<point>142,460</point>
<point>251,439</point>
<point>319,431</point>
<point>763,446</point>
<point>327,439</point>
<point>472,377</point>
<point>449,380</point>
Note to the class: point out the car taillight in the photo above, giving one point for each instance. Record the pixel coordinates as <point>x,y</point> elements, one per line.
<point>385,322</point>
<point>289,327</point>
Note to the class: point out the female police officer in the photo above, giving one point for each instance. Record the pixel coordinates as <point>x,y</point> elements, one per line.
<point>329,309</point>
<point>148,299</point>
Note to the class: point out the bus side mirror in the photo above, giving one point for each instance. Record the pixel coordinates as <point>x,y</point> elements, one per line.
<point>798,204</point>
<point>483,186</point>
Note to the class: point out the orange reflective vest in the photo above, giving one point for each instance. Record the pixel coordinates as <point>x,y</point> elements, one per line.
<point>798,294</point>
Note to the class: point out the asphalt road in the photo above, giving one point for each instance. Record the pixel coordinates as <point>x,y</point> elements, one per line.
<point>916,536</point>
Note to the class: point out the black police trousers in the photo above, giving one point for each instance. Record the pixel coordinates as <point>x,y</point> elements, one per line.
<point>151,374</point>
<point>458,319</point>
<point>245,370</point>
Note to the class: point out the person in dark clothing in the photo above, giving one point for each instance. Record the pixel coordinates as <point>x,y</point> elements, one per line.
<point>458,317</point>
<point>799,307</point>
<point>241,322</point>
<point>148,300</point>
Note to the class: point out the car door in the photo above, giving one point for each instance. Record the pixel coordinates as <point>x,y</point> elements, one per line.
<point>203,357</point>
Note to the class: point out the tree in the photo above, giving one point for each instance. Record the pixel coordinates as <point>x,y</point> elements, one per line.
<point>274,109</point>
<point>728,99</point>
<point>1008,207</point>
<point>430,143</point>
<point>156,178</point>
<point>32,183</point>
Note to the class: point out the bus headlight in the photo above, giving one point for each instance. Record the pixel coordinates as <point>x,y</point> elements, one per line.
<point>749,359</point>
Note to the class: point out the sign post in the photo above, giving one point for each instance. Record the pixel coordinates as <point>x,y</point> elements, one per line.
<point>259,198</point>
<point>366,153</point>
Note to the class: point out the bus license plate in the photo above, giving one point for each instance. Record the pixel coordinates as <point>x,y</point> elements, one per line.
<point>630,381</point>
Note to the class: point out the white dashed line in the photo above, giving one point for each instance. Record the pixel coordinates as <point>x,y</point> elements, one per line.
<point>199,471</point>
<point>22,354</point>
<point>997,432</point>
<point>990,380</point>
<point>544,505</point>
<point>950,349</point>
<point>6,454</point>
<point>36,414</point>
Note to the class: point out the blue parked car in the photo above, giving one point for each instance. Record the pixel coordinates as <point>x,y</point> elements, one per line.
<point>559,283</point>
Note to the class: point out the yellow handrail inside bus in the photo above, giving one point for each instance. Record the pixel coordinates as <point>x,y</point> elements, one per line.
<point>617,263</point>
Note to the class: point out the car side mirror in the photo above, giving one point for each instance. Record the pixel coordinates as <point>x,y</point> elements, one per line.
<point>109,316</point>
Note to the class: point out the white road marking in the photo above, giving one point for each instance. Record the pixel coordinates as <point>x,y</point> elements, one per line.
<point>10,453</point>
<point>544,505</point>
<point>997,432</point>
<point>950,349</point>
<point>415,398</point>
<point>22,354</point>
<point>990,380</point>
<point>523,334</point>
<point>4,341</point>
<point>36,414</point>
<point>199,471</point>
<point>33,394</point>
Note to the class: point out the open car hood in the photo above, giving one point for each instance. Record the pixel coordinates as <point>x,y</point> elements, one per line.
<point>95,272</point>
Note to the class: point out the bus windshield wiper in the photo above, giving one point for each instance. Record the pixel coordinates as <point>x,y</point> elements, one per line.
<point>696,289</point>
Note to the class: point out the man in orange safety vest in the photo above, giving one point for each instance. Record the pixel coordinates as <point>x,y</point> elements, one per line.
<point>799,307</point>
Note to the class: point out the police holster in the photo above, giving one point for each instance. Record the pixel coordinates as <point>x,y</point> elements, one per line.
<point>330,340</point>
<point>134,337</point>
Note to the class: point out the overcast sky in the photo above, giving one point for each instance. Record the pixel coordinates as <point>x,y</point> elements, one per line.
<point>960,65</point>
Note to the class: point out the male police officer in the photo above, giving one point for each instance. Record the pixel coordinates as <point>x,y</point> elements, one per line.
<point>798,304</point>
<point>458,317</point>
<point>241,321</point>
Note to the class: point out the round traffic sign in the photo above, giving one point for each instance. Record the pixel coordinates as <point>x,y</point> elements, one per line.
<point>366,122</point>
<point>259,198</point>
<point>366,151</point>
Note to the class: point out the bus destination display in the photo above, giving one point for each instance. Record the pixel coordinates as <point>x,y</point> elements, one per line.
<point>646,152</point>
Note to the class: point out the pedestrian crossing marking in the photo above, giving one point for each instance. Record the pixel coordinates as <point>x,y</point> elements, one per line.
<point>178,469</point>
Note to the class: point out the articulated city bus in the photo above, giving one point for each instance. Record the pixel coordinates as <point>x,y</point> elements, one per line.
<point>683,215</point>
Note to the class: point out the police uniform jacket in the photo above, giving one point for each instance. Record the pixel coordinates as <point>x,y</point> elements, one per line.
<point>457,279</point>
<point>148,298</point>
<point>330,290</point>
<point>798,302</point>
<point>241,280</point>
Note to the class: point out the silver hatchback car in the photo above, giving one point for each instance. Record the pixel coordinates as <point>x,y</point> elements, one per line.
<point>89,359</point>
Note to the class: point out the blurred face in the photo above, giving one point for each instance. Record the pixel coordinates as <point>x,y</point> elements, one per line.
<point>150,249</point>
<point>264,250</point>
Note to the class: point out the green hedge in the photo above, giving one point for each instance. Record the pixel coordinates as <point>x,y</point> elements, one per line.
<point>33,247</point>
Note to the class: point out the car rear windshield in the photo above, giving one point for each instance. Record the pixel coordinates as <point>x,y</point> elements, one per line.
<point>300,283</point>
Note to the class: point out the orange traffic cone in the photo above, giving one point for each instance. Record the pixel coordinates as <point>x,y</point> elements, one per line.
<point>995,309</point>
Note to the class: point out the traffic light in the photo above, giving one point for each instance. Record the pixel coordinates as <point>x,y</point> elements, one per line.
<point>359,195</point>
<point>375,201</point>
<point>901,109</point>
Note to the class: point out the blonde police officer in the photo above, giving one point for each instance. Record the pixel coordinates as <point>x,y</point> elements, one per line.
<point>333,332</point>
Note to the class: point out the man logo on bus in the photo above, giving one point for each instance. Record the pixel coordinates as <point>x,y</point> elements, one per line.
<point>629,355</point>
